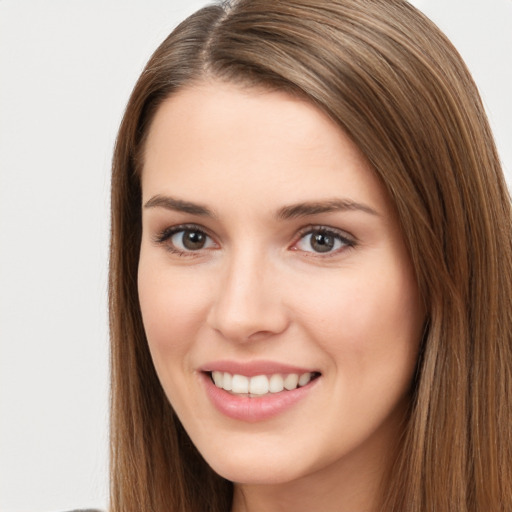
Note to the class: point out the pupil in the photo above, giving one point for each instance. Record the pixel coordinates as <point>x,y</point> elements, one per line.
<point>193,240</point>
<point>322,242</point>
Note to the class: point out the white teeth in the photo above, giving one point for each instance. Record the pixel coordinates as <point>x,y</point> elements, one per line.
<point>240,384</point>
<point>276,383</point>
<point>260,384</point>
<point>228,381</point>
<point>291,381</point>
<point>218,378</point>
<point>303,379</point>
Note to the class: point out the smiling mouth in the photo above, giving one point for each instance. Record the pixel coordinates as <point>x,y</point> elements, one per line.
<point>260,385</point>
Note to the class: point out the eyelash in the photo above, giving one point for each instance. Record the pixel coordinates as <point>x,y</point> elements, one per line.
<point>347,242</point>
<point>164,237</point>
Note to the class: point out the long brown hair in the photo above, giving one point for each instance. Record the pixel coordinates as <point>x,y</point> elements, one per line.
<point>399,89</point>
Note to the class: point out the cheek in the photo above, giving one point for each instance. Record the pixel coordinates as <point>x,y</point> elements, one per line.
<point>172,304</point>
<point>370,322</point>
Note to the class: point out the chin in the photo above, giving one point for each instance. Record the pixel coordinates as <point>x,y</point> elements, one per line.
<point>256,475</point>
<point>255,470</point>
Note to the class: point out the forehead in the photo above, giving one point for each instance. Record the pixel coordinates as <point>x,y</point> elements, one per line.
<point>217,139</point>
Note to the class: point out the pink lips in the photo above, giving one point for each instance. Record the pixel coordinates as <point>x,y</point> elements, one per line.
<point>253,409</point>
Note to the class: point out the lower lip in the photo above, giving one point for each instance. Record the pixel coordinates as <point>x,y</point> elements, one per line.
<point>255,409</point>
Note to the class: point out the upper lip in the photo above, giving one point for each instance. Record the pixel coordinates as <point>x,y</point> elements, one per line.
<point>253,368</point>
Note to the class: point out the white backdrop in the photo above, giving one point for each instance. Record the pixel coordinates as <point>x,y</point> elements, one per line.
<point>66,70</point>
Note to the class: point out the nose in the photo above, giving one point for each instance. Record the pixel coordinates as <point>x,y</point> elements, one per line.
<point>248,305</point>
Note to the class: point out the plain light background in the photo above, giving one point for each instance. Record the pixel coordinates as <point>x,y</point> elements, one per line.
<point>66,70</point>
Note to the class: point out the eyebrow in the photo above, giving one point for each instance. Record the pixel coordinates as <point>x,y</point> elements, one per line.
<point>178,205</point>
<point>314,208</point>
<point>293,211</point>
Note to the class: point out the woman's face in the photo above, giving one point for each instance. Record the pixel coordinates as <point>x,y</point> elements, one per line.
<point>272,263</point>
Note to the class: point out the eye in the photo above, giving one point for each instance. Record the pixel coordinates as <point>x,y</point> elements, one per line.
<point>185,239</point>
<point>323,240</point>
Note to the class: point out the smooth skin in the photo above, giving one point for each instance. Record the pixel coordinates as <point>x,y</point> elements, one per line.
<point>267,236</point>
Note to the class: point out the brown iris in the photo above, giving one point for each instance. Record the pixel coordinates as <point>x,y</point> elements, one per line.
<point>193,240</point>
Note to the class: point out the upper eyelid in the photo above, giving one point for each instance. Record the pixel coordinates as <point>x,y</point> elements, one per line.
<point>320,227</point>
<point>172,230</point>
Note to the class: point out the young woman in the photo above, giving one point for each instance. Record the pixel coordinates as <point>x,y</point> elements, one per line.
<point>310,270</point>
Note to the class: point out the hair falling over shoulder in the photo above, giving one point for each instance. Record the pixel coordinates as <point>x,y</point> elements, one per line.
<point>398,88</point>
